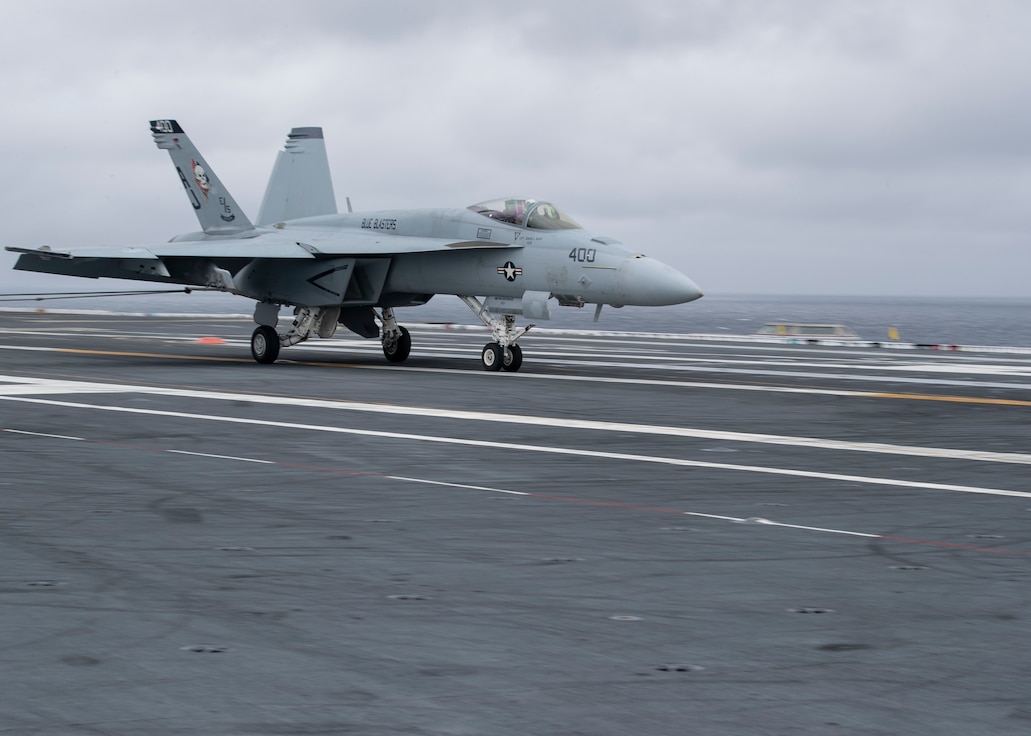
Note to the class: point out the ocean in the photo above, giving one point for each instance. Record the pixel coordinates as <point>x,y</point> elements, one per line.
<point>966,321</point>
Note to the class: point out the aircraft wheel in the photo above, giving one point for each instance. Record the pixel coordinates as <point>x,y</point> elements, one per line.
<point>492,356</point>
<point>265,344</point>
<point>513,358</point>
<point>397,349</point>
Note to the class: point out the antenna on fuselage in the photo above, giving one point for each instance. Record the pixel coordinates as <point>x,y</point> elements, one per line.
<point>348,200</point>
<point>597,311</point>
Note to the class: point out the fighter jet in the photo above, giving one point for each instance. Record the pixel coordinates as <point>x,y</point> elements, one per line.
<point>503,258</point>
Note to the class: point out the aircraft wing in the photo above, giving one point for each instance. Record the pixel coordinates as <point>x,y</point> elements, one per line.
<point>279,245</point>
<point>209,262</point>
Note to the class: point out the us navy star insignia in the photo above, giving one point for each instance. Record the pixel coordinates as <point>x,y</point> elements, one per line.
<point>510,271</point>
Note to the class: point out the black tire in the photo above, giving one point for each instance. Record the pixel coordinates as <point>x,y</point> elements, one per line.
<point>492,357</point>
<point>397,350</point>
<point>265,344</point>
<point>513,358</point>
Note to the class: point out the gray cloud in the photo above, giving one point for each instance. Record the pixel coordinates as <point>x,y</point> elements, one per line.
<point>790,147</point>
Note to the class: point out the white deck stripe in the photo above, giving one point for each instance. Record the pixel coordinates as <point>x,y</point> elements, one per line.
<point>466,486</point>
<point>673,363</point>
<point>539,421</point>
<point>532,448</point>
<point>223,457</point>
<point>455,485</point>
<point>44,434</point>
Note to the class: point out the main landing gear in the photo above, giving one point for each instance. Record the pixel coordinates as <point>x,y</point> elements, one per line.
<point>502,352</point>
<point>397,343</point>
<point>266,342</point>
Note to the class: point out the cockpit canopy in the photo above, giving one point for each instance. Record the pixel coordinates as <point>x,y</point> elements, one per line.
<point>529,213</point>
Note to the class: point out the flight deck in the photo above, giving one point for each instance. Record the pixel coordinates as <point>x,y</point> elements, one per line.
<point>635,534</point>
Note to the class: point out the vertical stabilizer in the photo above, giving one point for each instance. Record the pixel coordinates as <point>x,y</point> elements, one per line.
<point>215,207</point>
<point>300,185</point>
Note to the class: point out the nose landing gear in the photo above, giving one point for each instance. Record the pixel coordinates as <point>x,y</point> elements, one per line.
<point>502,352</point>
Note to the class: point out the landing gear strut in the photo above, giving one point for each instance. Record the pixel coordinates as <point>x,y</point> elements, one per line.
<point>397,343</point>
<point>502,352</point>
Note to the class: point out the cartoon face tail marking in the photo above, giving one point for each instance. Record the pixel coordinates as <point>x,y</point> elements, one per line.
<point>200,178</point>
<point>216,209</point>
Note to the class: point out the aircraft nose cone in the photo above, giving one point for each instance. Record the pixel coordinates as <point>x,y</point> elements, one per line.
<point>646,282</point>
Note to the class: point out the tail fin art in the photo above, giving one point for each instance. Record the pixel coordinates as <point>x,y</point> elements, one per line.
<point>216,209</point>
<point>300,185</point>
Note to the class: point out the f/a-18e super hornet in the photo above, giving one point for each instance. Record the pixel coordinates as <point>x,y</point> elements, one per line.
<point>503,257</point>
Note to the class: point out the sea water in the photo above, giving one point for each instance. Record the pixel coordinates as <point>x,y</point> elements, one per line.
<point>961,321</point>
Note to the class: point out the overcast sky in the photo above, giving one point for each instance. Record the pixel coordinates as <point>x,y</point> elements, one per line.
<point>806,147</point>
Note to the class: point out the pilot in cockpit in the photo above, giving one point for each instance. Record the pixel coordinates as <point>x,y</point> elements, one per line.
<point>547,212</point>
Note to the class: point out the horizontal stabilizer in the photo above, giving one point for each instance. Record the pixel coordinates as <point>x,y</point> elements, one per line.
<point>43,252</point>
<point>46,253</point>
<point>118,263</point>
